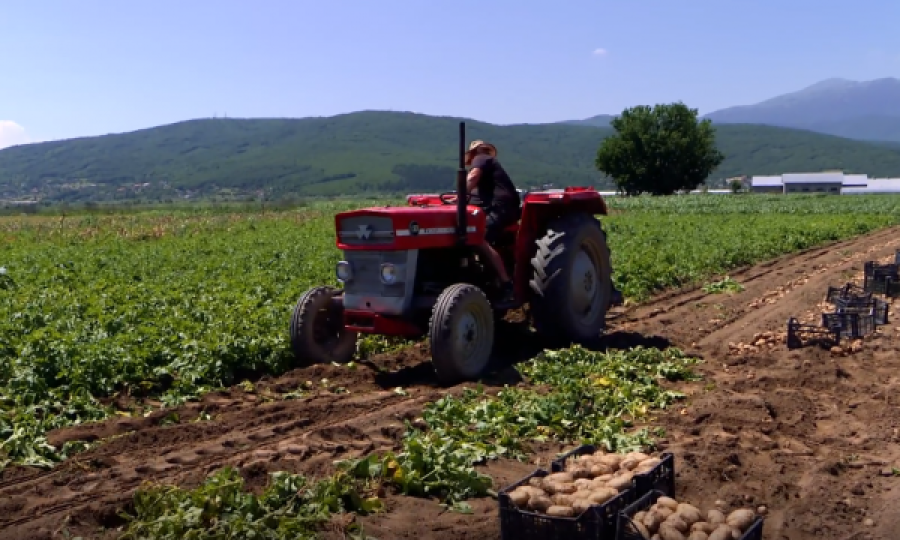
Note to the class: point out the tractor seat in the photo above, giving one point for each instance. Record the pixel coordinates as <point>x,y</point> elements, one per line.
<point>514,228</point>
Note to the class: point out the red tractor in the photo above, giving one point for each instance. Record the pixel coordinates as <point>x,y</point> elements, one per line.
<point>420,270</point>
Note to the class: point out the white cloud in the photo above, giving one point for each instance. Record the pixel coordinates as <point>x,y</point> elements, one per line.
<point>600,52</point>
<point>12,134</point>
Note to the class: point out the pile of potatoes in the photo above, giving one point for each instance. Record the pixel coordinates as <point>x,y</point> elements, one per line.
<point>590,479</point>
<point>668,519</point>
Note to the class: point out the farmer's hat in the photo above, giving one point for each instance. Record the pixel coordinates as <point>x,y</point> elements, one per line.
<point>475,145</point>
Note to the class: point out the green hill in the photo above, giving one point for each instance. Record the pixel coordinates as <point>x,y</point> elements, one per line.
<point>369,152</point>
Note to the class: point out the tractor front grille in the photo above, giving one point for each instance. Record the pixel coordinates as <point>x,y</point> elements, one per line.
<point>366,230</point>
<point>367,273</point>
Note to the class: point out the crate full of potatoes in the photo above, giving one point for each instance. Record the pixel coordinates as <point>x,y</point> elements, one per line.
<point>643,471</point>
<point>656,516</point>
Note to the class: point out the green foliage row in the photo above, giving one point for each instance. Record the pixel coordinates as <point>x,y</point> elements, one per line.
<point>372,152</point>
<point>151,305</point>
<point>588,396</point>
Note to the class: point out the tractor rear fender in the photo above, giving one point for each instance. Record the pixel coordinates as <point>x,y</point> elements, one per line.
<point>538,210</point>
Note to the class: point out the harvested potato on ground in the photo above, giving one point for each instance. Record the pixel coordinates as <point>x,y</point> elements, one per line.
<point>715,517</point>
<point>561,511</point>
<point>741,519</point>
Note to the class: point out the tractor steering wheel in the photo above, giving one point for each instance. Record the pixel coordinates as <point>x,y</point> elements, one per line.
<point>443,197</point>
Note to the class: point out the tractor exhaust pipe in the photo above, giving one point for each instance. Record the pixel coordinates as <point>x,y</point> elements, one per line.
<point>461,195</point>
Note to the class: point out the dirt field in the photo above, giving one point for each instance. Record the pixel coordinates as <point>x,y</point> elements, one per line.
<point>808,434</point>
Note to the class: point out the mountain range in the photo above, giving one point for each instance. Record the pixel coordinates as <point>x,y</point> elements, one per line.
<point>862,110</point>
<point>380,152</point>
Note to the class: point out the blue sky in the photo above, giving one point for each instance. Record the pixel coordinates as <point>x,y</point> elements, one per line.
<point>72,68</point>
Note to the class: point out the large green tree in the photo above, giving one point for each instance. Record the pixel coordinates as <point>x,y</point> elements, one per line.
<point>659,150</point>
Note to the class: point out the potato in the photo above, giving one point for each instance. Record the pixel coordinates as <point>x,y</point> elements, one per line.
<point>722,532</point>
<point>536,481</point>
<point>603,479</point>
<point>637,525</point>
<point>715,517</point>
<point>612,459</point>
<point>698,535</point>
<point>580,505</point>
<point>620,482</point>
<point>640,456</point>
<point>648,464</point>
<point>741,519</point>
<point>655,537</point>
<point>704,527</point>
<point>689,513</point>
<point>562,499</point>
<point>599,469</point>
<point>640,516</point>
<point>582,483</point>
<point>676,522</point>
<point>629,463</point>
<point>601,495</point>
<point>540,503</point>
<point>668,532</point>
<point>652,521</point>
<point>664,512</point>
<point>560,477</point>
<point>581,472</point>
<point>668,502</point>
<point>560,511</point>
<point>520,496</point>
<point>534,492</point>
<point>559,487</point>
<point>583,493</point>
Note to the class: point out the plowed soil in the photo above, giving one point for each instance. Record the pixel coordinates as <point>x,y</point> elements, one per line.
<point>809,434</point>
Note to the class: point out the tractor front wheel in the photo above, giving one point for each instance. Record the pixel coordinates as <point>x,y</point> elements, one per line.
<point>461,334</point>
<point>318,335</point>
<point>571,281</point>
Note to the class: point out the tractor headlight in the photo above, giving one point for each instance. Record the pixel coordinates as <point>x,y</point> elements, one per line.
<point>388,273</point>
<point>343,271</point>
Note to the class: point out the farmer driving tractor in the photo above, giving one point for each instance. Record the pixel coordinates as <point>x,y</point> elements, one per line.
<point>492,189</point>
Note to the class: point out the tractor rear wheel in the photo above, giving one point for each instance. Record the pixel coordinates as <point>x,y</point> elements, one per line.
<point>318,335</point>
<point>571,280</point>
<point>461,334</point>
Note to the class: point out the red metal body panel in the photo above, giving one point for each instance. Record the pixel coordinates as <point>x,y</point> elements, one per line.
<point>436,226</point>
<point>367,322</point>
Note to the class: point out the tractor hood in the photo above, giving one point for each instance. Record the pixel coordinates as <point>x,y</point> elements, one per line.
<point>405,227</point>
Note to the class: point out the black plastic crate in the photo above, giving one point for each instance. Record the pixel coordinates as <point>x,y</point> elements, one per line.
<point>849,325</point>
<point>849,290</point>
<point>800,335</point>
<point>626,531</point>
<point>877,277</point>
<point>875,307</point>
<point>897,257</point>
<point>892,288</point>
<point>597,523</point>
<point>661,477</point>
